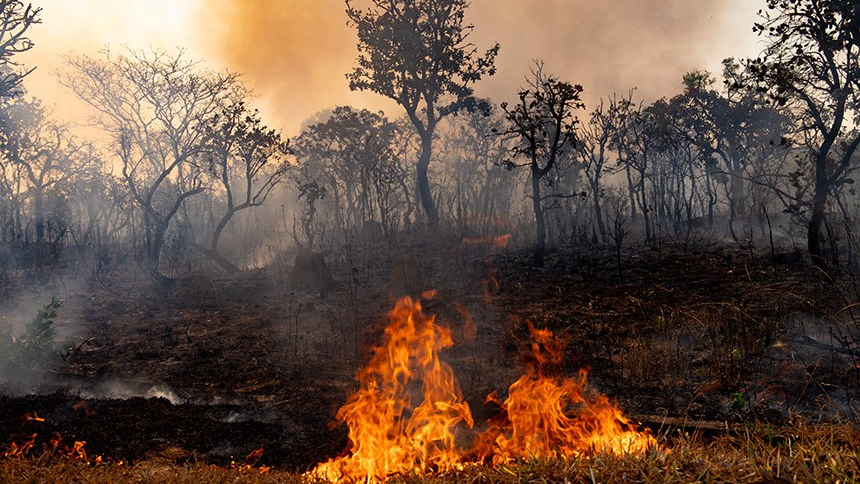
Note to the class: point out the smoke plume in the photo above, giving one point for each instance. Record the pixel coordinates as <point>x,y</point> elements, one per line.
<point>296,52</point>
<point>293,53</point>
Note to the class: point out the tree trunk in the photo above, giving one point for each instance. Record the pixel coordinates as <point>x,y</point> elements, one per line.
<point>217,258</point>
<point>424,183</point>
<point>819,204</point>
<point>739,195</point>
<point>39,215</point>
<point>540,225</point>
<point>154,254</point>
<point>212,251</point>
<point>598,212</point>
<point>631,191</point>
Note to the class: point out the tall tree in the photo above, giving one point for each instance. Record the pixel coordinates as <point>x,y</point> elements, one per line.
<point>44,152</point>
<point>542,126</point>
<point>728,126</point>
<point>155,107</point>
<point>417,53</point>
<point>811,65</point>
<point>635,140</point>
<point>593,150</point>
<point>480,191</point>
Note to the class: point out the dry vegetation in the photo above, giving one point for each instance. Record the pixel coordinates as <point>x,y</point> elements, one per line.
<point>802,453</point>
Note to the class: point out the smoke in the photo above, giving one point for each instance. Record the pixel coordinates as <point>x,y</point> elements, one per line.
<point>296,52</point>
<point>293,53</point>
<point>611,47</point>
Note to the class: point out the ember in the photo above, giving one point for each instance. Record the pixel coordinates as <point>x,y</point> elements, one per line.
<point>251,460</point>
<point>406,413</point>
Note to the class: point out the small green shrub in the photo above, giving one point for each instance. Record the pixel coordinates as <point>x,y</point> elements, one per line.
<point>36,347</point>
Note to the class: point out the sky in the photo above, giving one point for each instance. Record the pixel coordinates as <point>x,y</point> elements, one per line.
<point>294,54</point>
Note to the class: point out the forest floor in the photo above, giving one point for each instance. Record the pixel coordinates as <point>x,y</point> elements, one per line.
<point>220,365</point>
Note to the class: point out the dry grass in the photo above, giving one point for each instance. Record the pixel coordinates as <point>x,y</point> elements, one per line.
<point>801,453</point>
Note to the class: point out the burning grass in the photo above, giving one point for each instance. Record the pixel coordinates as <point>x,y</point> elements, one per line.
<point>800,453</point>
<point>409,410</point>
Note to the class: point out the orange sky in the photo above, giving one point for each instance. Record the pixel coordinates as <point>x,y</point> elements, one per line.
<point>294,53</point>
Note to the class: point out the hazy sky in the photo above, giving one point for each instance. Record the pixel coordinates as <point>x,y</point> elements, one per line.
<point>294,53</point>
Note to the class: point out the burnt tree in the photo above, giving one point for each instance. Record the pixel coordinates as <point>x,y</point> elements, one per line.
<point>247,159</point>
<point>154,105</point>
<point>16,18</point>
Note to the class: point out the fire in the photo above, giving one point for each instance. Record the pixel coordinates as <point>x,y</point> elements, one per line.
<point>31,417</point>
<point>497,242</point>
<point>16,449</point>
<point>555,416</point>
<point>74,452</point>
<point>251,461</point>
<point>404,418</point>
<point>27,442</point>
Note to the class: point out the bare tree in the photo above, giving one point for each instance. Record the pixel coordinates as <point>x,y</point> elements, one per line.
<point>417,53</point>
<point>478,187</point>
<point>43,151</point>
<point>593,150</point>
<point>154,105</point>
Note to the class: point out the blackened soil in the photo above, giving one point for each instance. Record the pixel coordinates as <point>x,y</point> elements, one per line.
<point>220,365</point>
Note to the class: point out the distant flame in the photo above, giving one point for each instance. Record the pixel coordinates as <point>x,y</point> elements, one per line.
<point>498,242</point>
<point>404,416</point>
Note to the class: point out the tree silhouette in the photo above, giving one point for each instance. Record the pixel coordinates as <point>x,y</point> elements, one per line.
<point>542,125</point>
<point>351,156</point>
<point>15,20</point>
<point>417,53</point>
<point>811,65</point>
<point>155,107</point>
<point>246,158</point>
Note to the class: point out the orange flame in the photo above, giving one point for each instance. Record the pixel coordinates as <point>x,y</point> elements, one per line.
<point>498,242</point>
<point>75,451</point>
<point>551,416</point>
<point>404,416</point>
<point>32,417</point>
<point>251,461</point>
<point>388,432</point>
<point>20,449</point>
